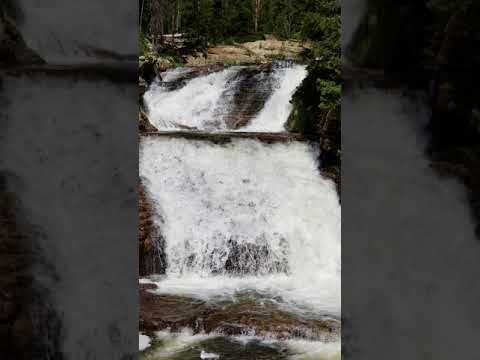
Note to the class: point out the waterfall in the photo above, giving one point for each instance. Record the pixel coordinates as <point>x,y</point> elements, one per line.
<point>245,223</point>
<point>246,215</point>
<point>244,98</point>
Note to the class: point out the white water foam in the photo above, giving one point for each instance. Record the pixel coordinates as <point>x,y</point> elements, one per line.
<point>314,350</point>
<point>193,105</point>
<point>173,343</point>
<point>174,74</point>
<point>200,104</point>
<point>255,194</point>
<point>144,342</point>
<point>275,114</point>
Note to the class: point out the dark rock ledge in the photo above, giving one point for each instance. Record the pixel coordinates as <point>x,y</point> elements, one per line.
<point>246,315</point>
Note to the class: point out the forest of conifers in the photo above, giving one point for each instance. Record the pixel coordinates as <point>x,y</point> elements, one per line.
<point>220,20</point>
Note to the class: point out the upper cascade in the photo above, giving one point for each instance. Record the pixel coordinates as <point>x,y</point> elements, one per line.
<point>237,98</point>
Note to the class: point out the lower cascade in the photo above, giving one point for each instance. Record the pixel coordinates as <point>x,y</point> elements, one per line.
<point>251,229</point>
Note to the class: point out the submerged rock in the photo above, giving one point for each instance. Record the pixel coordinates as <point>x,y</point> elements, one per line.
<point>252,258</point>
<point>144,125</point>
<point>245,315</point>
<point>254,86</point>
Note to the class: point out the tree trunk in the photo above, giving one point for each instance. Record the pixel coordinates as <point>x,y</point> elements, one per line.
<point>157,21</point>
<point>196,11</point>
<point>256,14</point>
<point>178,22</point>
<point>289,18</point>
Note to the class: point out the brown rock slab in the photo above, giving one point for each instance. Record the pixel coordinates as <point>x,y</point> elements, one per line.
<point>247,315</point>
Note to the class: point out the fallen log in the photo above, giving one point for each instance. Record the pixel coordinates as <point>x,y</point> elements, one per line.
<point>229,135</point>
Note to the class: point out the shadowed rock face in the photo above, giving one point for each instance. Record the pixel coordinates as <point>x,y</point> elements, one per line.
<point>254,85</point>
<point>250,259</point>
<point>152,257</point>
<point>245,315</point>
<point>144,125</point>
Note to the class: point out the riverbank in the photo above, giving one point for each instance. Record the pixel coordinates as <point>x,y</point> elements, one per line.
<point>152,64</point>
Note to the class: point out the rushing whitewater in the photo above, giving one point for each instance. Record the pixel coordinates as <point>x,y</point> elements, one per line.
<point>225,100</point>
<point>246,216</point>
<point>181,342</point>
<point>243,221</point>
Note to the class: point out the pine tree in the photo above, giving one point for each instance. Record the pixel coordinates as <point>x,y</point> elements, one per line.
<point>157,20</point>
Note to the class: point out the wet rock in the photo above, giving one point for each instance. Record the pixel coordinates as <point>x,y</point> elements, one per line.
<point>142,87</point>
<point>244,315</point>
<point>148,287</point>
<point>150,241</point>
<point>254,86</point>
<point>267,319</point>
<point>252,258</point>
<point>151,67</point>
<point>144,125</point>
<point>146,71</point>
<point>159,312</point>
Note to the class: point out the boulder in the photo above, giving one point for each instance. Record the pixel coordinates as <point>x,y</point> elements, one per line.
<point>150,241</point>
<point>246,314</point>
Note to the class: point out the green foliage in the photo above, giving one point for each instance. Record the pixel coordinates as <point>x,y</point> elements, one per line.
<point>207,22</point>
<point>220,20</point>
<point>145,45</point>
<point>320,92</point>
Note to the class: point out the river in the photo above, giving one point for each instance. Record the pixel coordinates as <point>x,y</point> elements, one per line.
<point>251,228</point>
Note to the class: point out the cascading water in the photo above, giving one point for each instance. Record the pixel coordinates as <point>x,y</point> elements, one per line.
<point>242,216</point>
<point>261,211</point>
<point>236,98</point>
